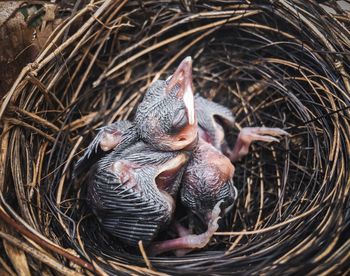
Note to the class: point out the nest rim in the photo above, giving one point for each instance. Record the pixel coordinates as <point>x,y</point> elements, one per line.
<point>302,87</point>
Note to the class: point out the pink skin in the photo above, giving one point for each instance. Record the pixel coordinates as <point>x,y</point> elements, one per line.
<point>186,139</point>
<point>187,242</point>
<point>249,135</point>
<point>246,137</point>
<point>109,141</point>
<point>182,77</point>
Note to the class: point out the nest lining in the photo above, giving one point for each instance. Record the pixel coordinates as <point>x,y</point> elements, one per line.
<point>273,63</point>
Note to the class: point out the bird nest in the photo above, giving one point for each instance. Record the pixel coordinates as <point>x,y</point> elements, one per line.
<point>273,63</point>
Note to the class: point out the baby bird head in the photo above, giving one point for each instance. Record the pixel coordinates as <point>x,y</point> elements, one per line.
<point>207,181</point>
<point>166,117</point>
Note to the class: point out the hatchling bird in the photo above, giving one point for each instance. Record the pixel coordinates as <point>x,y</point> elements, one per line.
<point>166,117</point>
<point>207,188</point>
<point>126,154</point>
<point>132,191</point>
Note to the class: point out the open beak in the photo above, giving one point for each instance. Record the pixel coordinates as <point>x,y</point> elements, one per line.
<point>183,77</point>
<point>168,172</point>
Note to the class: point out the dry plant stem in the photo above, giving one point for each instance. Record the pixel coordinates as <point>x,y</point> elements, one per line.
<point>163,30</point>
<point>34,129</point>
<point>19,228</point>
<point>98,269</point>
<point>326,42</point>
<point>80,241</point>
<point>97,51</point>
<point>43,61</point>
<point>37,119</point>
<point>181,52</point>
<point>234,244</point>
<point>60,187</point>
<point>267,229</point>
<point>137,270</point>
<point>18,176</point>
<point>38,255</point>
<point>9,95</point>
<point>144,255</point>
<point>6,267</point>
<point>17,256</point>
<point>179,36</point>
<point>277,64</point>
<point>4,137</point>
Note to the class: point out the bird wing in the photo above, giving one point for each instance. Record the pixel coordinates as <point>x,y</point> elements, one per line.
<point>207,110</point>
<point>125,213</point>
<point>121,130</point>
<point>213,119</point>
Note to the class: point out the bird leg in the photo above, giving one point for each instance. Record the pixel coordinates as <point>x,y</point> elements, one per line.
<point>250,134</point>
<point>181,230</point>
<point>187,242</point>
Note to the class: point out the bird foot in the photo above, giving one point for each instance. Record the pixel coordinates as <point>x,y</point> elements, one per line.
<point>249,135</point>
<point>187,242</point>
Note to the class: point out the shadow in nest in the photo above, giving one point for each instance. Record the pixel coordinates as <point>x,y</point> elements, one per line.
<point>273,63</point>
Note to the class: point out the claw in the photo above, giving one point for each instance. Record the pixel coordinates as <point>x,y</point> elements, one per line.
<point>273,131</point>
<point>250,134</point>
<point>263,138</point>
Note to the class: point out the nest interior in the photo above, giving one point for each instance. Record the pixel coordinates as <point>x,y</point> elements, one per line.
<point>273,63</point>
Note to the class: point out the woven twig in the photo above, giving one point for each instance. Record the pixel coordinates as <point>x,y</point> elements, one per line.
<point>274,63</point>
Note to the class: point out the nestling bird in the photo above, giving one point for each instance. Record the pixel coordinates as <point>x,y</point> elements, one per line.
<point>132,191</point>
<point>137,167</point>
<point>127,165</point>
<point>166,118</point>
<point>207,187</point>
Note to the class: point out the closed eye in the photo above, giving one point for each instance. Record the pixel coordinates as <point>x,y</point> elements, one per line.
<point>179,122</point>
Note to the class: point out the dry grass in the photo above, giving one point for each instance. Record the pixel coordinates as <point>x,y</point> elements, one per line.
<point>280,65</point>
